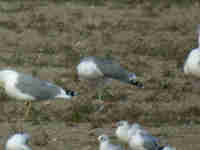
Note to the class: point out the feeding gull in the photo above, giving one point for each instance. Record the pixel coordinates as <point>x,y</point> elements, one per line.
<point>98,71</point>
<point>106,145</point>
<point>25,87</point>
<point>18,142</point>
<point>192,63</point>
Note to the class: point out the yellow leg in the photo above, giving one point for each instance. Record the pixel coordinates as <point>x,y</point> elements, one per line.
<point>28,109</point>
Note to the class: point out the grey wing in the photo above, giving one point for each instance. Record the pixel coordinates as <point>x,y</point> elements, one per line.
<point>117,147</point>
<point>150,143</point>
<point>112,69</point>
<point>39,89</point>
<point>147,134</point>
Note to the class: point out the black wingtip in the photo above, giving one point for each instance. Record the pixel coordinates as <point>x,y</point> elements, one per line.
<point>161,147</point>
<point>137,84</point>
<point>71,93</point>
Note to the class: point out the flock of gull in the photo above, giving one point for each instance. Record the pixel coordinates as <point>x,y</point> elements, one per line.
<point>97,71</point>
<point>133,135</point>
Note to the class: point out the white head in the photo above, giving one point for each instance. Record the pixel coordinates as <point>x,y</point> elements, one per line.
<point>18,142</point>
<point>103,138</point>
<point>123,124</point>
<point>136,126</point>
<point>7,75</point>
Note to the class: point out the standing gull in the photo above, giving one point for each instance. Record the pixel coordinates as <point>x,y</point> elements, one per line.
<point>106,145</point>
<point>25,87</point>
<point>18,142</point>
<point>192,63</point>
<point>99,70</point>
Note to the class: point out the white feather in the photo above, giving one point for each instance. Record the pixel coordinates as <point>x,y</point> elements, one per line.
<point>9,79</point>
<point>18,142</point>
<point>192,63</point>
<point>89,70</point>
<point>122,131</point>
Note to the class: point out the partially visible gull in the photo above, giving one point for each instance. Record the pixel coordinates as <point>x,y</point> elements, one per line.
<point>124,130</point>
<point>168,147</point>
<point>25,87</point>
<point>98,71</point>
<point>142,141</point>
<point>192,63</point>
<point>18,142</point>
<point>106,145</point>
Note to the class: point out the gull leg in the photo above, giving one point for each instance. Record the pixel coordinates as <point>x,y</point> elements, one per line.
<point>28,105</point>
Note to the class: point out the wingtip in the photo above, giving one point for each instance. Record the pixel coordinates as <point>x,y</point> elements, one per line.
<point>138,84</point>
<point>71,93</point>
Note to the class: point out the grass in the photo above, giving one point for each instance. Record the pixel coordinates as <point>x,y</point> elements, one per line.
<point>148,44</point>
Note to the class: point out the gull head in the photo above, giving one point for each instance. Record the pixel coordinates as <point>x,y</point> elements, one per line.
<point>123,123</point>
<point>18,142</point>
<point>103,138</point>
<point>7,75</point>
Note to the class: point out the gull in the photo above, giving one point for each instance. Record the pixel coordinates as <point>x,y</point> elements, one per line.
<point>98,71</point>
<point>18,142</point>
<point>124,130</point>
<point>192,63</point>
<point>168,147</point>
<point>25,87</point>
<point>142,141</point>
<point>106,145</point>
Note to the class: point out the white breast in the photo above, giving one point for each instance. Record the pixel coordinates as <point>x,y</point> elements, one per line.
<point>89,70</point>
<point>192,64</point>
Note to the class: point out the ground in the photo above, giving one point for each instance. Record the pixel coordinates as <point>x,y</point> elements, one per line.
<point>48,38</point>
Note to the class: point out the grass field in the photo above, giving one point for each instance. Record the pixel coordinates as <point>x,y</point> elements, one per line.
<point>47,38</point>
